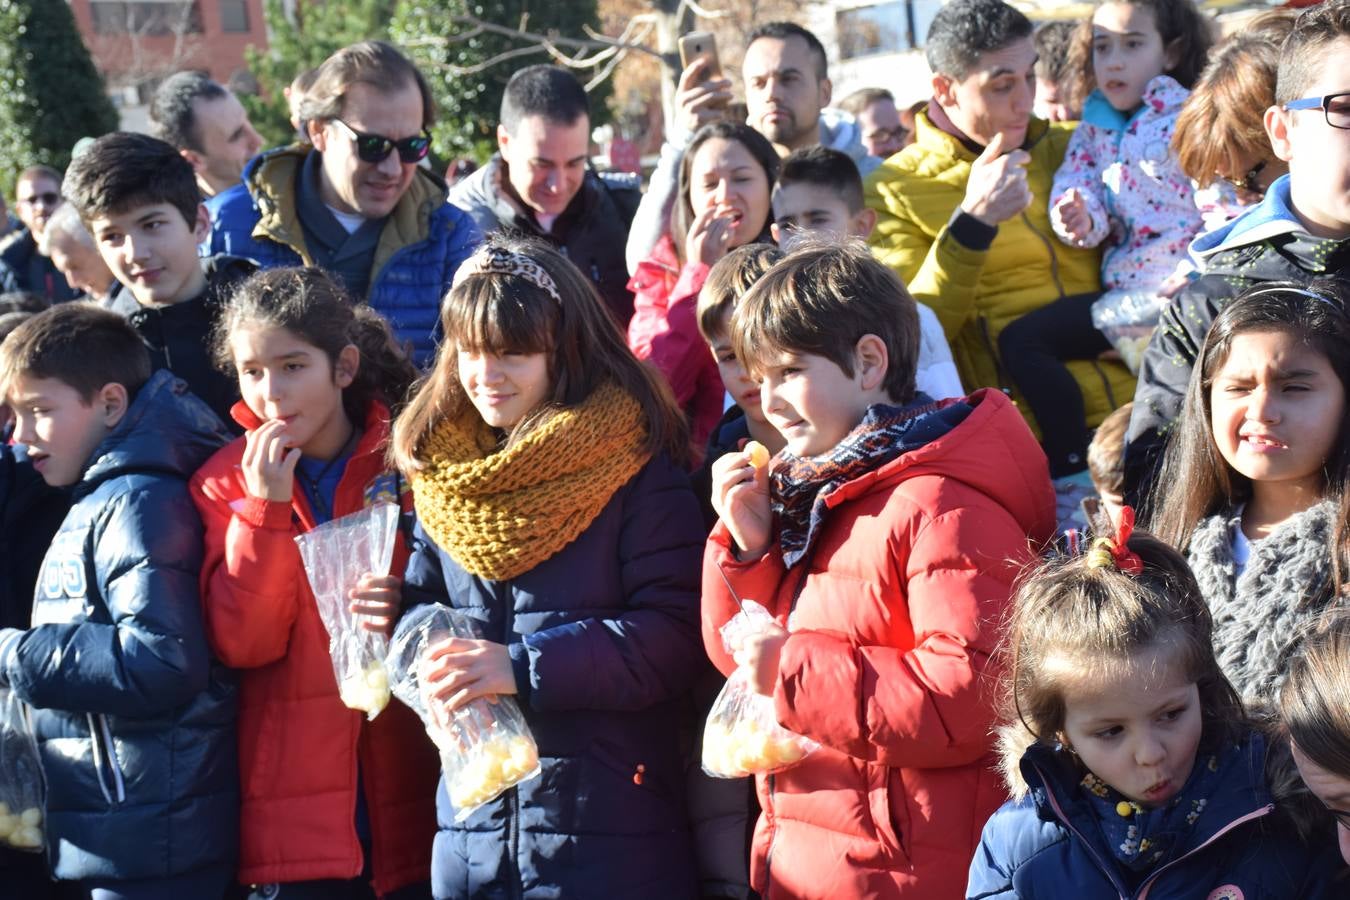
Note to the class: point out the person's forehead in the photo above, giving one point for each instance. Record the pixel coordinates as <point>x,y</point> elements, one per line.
<point>799,197</point>
<point>1331,70</point>
<point>772,54</point>
<point>540,136</point>
<point>224,113</point>
<point>396,114</point>
<point>32,185</point>
<point>880,114</point>
<point>1017,58</point>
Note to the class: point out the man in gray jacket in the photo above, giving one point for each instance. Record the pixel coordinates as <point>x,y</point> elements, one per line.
<point>539,182</point>
<point>787,99</point>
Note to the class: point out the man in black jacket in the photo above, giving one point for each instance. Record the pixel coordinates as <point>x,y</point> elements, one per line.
<point>1299,231</point>
<point>22,267</point>
<point>539,182</point>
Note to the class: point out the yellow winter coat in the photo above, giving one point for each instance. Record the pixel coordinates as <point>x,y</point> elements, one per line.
<point>976,293</point>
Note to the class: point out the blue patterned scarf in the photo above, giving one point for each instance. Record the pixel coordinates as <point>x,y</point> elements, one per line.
<point>800,486</point>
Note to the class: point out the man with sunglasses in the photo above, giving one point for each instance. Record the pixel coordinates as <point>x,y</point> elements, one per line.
<point>540,182</point>
<point>1300,230</point>
<point>23,267</point>
<point>354,201</point>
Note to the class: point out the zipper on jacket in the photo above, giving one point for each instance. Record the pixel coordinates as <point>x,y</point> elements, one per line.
<point>513,827</point>
<point>1092,851</point>
<point>1050,248</point>
<point>1240,820</point>
<point>101,741</point>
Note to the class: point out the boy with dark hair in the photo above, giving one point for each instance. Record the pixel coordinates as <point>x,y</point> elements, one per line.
<point>1299,231</point>
<point>820,192</point>
<point>139,199</point>
<point>133,719</point>
<point>540,182</point>
<point>891,527</point>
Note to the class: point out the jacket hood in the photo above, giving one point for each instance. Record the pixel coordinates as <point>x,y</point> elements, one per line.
<point>166,430</point>
<point>1272,217</point>
<point>993,431</point>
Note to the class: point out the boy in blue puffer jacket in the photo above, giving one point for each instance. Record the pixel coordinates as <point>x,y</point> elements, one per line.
<point>134,720</point>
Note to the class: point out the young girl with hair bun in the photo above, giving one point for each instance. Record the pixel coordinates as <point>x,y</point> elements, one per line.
<point>334,806</point>
<point>545,461</point>
<point>1135,772</point>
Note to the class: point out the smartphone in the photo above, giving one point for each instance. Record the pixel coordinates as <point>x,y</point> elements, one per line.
<point>698,45</point>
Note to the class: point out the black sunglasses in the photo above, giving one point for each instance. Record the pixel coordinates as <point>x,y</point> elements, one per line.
<point>374,148</point>
<point>1248,181</point>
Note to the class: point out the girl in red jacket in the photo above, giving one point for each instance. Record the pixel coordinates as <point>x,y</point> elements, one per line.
<point>890,528</point>
<point>334,806</point>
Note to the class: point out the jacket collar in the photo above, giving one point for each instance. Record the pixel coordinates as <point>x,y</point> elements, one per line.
<point>1163,96</point>
<point>271,179</point>
<point>935,137</point>
<point>374,431</point>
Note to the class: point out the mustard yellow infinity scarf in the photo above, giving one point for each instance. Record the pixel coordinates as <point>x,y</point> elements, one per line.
<point>499,513</point>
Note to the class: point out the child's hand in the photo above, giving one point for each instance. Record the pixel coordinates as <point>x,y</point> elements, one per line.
<point>458,670</point>
<point>708,237</point>
<point>741,498</point>
<point>377,597</point>
<point>1071,215</point>
<point>268,464</point>
<point>759,653</point>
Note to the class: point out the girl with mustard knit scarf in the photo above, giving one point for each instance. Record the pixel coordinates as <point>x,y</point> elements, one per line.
<point>552,508</point>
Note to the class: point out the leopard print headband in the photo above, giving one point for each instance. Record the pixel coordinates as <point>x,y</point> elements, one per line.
<point>494,260</point>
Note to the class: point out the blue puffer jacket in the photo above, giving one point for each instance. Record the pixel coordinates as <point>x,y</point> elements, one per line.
<point>134,719</point>
<point>605,639</point>
<point>423,242</point>
<point>1049,845</point>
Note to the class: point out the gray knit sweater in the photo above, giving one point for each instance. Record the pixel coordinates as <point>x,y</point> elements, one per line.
<point>1259,615</point>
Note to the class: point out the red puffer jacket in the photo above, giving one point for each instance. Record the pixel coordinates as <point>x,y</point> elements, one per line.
<point>888,666</point>
<point>298,745</point>
<point>664,332</point>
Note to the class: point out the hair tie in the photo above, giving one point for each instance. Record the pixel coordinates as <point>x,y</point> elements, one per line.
<point>492,259</point>
<point>1115,550</point>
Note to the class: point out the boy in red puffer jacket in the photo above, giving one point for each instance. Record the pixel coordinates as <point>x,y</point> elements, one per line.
<point>891,529</point>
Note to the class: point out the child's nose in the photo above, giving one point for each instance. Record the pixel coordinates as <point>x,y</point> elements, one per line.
<point>1149,751</point>
<point>1262,407</point>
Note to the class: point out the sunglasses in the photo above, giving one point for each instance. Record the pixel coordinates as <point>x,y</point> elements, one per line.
<point>50,198</point>
<point>375,148</point>
<point>1335,108</point>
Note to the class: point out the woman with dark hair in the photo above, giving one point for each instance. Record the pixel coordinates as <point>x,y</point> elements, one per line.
<point>723,203</point>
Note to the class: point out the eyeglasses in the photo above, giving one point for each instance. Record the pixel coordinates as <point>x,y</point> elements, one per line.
<point>374,148</point>
<point>1335,107</point>
<point>47,198</point>
<point>1248,181</point>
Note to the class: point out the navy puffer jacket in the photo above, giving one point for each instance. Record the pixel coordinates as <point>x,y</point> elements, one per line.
<point>134,719</point>
<point>604,636</point>
<point>1049,845</point>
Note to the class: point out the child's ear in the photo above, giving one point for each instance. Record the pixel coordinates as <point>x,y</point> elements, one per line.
<point>201,228</point>
<point>111,403</point>
<point>1277,129</point>
<point>777,235</point>
<point>872,361</point>
<point>1172,56</point>
<point>863,222</point>
<point>347,364</point>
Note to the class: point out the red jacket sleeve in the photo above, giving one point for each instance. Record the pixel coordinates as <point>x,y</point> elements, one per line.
<point>926,707</point>
<point>251,576</point>
<point>756,580</point>
<point>664,331</point>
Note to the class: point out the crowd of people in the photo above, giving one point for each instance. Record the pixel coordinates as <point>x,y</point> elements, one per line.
<point>1022,411</point>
